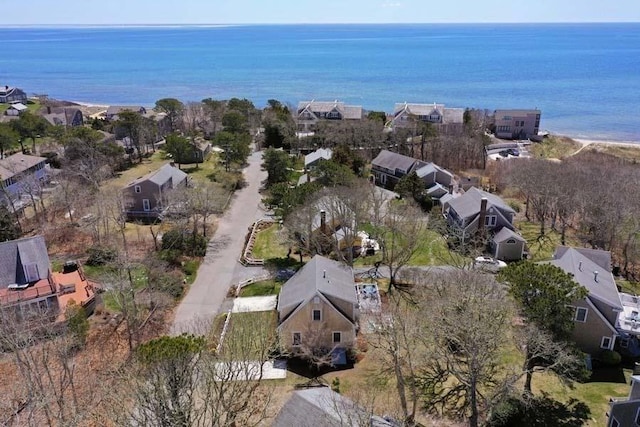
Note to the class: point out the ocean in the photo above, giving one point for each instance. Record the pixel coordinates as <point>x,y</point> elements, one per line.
<point>584,77</point>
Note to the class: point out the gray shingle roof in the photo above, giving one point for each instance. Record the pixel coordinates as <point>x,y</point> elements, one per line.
<point>162,175</point>
<point>506,234</point>
<point>18,163</point>
<point>418,109</point>
<point>320,153</point>
<point>321,274</point>
<point>584,270</point>
<point>320,407</point>
<point>602,258</point>
<point>14,254</point>
<point>468,205</point>
<point>453,115</point>
<point>392,161</point>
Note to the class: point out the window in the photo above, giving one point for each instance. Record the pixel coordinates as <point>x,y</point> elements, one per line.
<point>581,314</point>
<point>337,337</point>
<point>297,338</point>
<point>614,423</point>
<point>511,241</point>
<point>137,189</point>
<point>145,205</point>
<point>317,315</point>
<point>624,343</point>
<point>316,300</point>
<point>638,418</point>
<point>31,272</point>
<point>605,343</point>
<point>490,220</point>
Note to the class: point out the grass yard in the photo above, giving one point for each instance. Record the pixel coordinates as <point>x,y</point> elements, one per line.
<point>541,249</point>
<point>249,334</point>
<point>261,288</point>
<point>554,148</point>
<point>268,244</point>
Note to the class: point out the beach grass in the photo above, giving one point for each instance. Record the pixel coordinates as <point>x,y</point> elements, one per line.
<point>555,147</point>
<point>618,150</point>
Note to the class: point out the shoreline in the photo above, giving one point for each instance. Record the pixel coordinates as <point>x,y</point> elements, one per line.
<point>581,140</point>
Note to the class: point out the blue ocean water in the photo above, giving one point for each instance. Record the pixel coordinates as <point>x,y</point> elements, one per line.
<point>584,77</point>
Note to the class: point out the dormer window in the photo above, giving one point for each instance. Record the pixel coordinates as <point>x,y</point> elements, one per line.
<point>137,189</point>
<point>31,272</point>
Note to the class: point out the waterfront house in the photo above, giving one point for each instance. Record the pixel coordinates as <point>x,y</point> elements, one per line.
<point>516,124</point>
<point>148,197</point>
<point>9,95</point>
<point>114,110</point>
<point>407,115</point>
<point>30,288</point>
<point>310,112</point>
<point>317,308</point>
<point>596,315</point>
<point>64,116</point>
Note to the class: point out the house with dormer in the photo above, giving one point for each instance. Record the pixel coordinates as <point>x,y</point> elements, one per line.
<point>408,114</point>
<point>10,94</point>
<point>388,168</point>
<point>595,316</point>
<point>317,307</point>
<point>309,113</point>
<point>30,288</point>
<point>625,411</point>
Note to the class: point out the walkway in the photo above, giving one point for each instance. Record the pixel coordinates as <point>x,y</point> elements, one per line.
<point>220,267</point>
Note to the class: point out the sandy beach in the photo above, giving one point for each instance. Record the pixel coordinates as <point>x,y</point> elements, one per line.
<point>603,142</point>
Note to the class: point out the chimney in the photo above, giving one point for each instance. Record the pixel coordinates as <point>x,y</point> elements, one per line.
<point>580,266</point>
<point>323,221</point>
<point>6,87</point>
<point>483,213</point>
<point>48,109</point>
<point>324,274</point>
<point>308,177</point>
<point>450,188</point>
<point>595,275</point>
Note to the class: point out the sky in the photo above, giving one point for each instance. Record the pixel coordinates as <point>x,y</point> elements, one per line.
<point>123,12</point>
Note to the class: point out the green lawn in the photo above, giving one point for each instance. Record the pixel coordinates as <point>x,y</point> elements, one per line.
<point>250,333</point>
<point>262,288</point>
<point>542,248</point>
<point>268,245</point>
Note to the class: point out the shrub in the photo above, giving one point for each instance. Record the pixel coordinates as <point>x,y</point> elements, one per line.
<point>610,358</point>
<point>184,242</point>
<point>515,206</point>
<point>190,267</point>
<point>101,255</point>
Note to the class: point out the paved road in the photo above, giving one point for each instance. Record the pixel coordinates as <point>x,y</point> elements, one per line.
<point>220,268</point>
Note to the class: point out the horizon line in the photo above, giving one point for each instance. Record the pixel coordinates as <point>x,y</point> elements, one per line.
<point>221,25</point>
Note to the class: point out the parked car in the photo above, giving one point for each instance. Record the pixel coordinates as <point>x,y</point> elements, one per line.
<point>513,151</point>
<point>504,153</point>
<point>488,264</point>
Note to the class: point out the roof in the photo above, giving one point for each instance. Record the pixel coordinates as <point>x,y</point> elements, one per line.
<point>320,153</point>
<point>62,116</point>
<point>468,205</point>
<point>162,175</point>
<point>115,109</point>
<point>328,277</point>
<point>602,258</point>
<point>321,406</point>
<point>18,106</point>
<point>347,111</point>
<point>18,163</point>
<point>15,254</point>
<point>418,109</point>
<point>392,161</point>
<point>516,112</point>
<point>598,281</point>
<point>506,234</point>
<point>453,115</point>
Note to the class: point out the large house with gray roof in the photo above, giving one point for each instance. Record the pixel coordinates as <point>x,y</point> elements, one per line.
<point>20,173</point>
<point>317,307</point>
<point>114,110</point>
<point>321,406</point>
<point>148,197</point>
<point>310,112</point>
<point>388,168</point>
<point>10,94</point>
<point>407,115</point>
<point>595,316</point>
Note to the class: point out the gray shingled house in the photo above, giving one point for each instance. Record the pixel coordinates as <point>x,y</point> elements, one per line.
<point>148,197</point>
<point>477,209</point>
<point>10,94</point>
<point>389,167</point>
<point>65,116</point>
<point>310,112</point>
<point>406,114</point>
<point>114,110</point>
<point>321,406</point>
<point>626,411</point>
<point>596,315</point>
<point>317,307</point>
